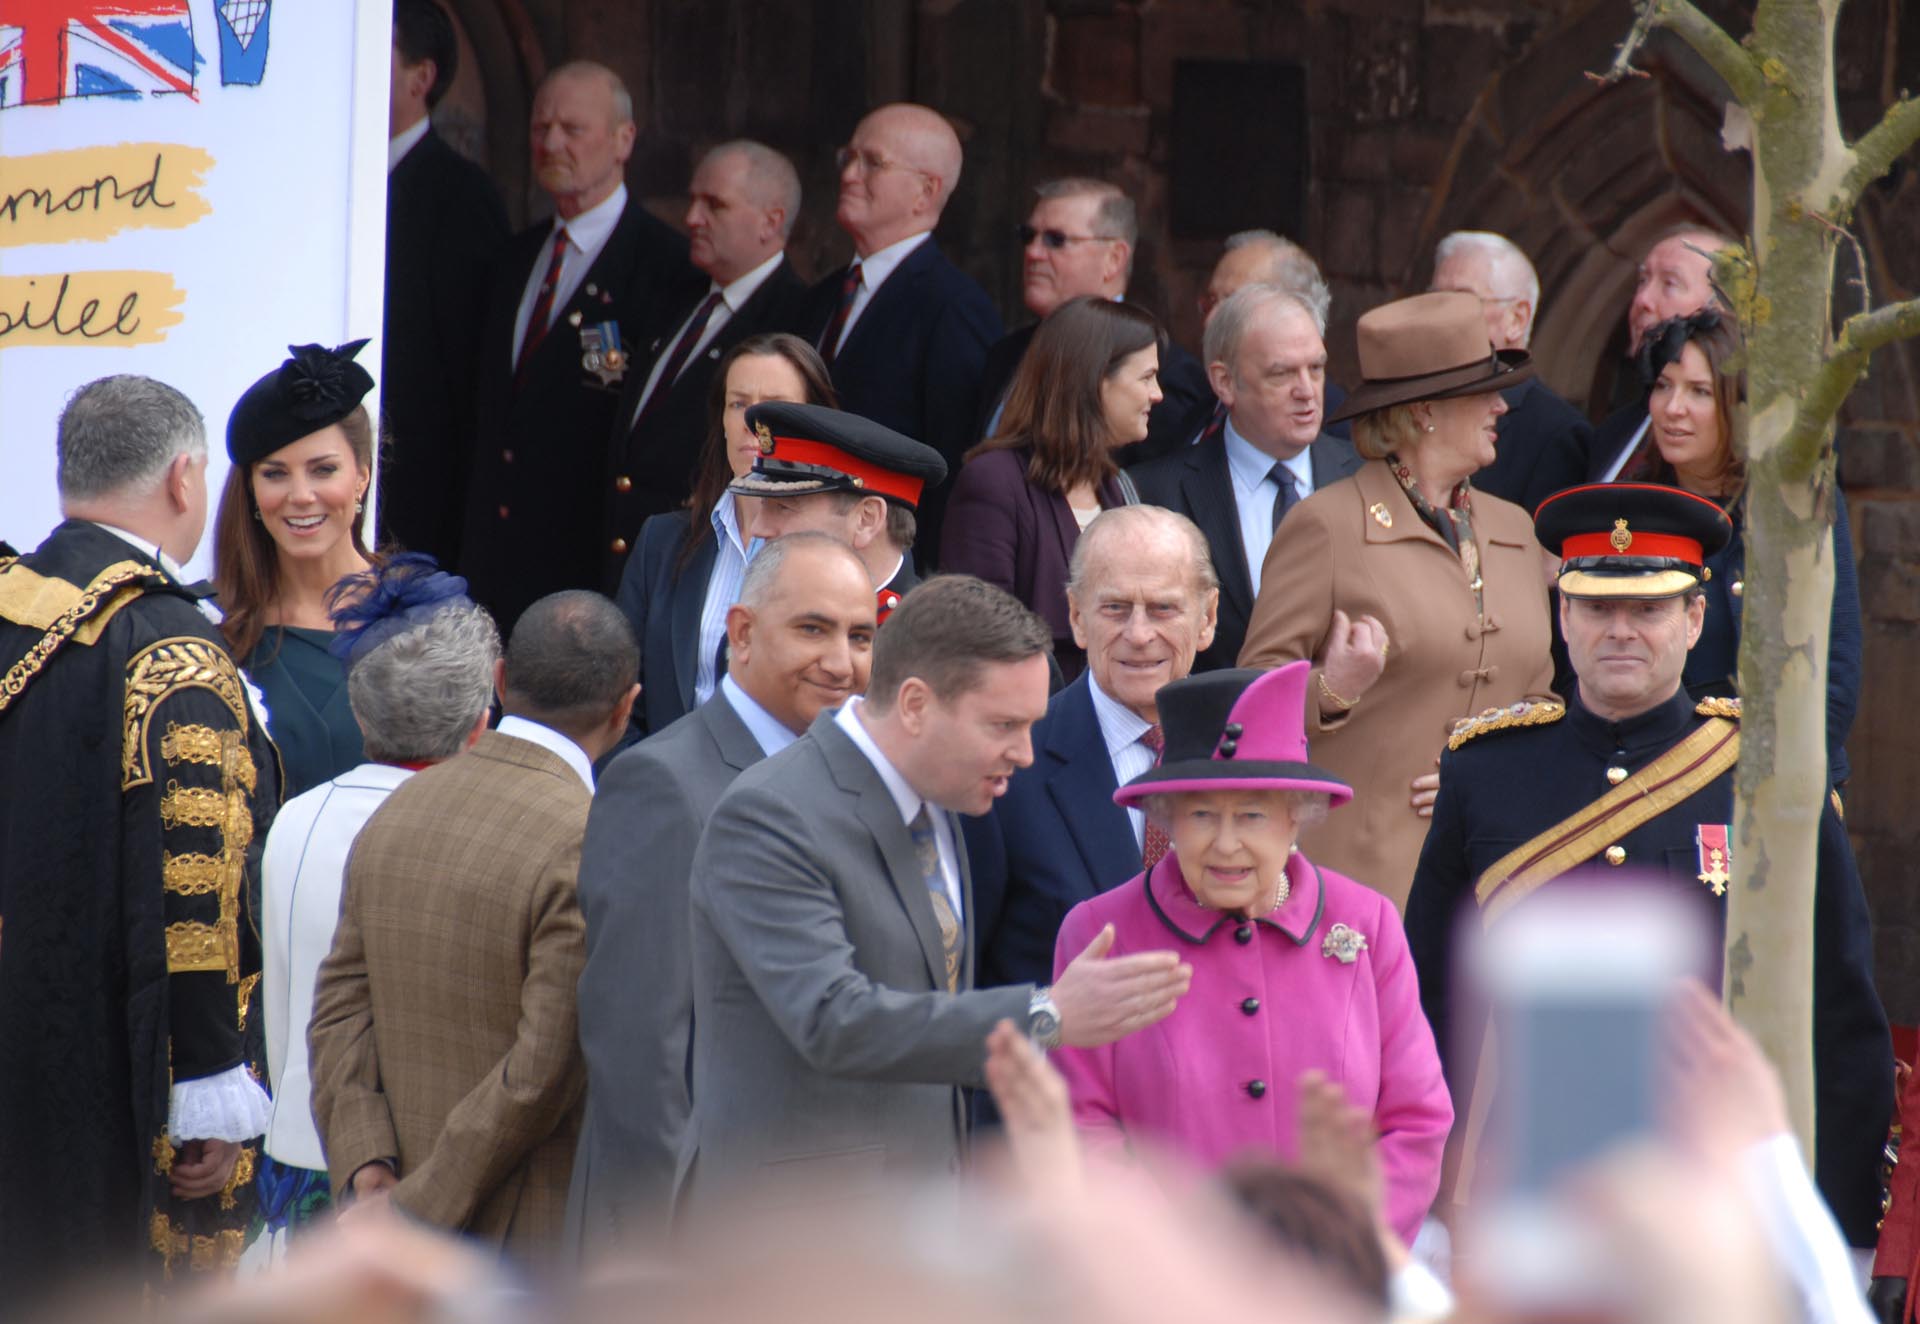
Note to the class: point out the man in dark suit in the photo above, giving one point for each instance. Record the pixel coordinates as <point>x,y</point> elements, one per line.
<point>801,640</point>
<point>745,198</point>
<point>554,349</point>
<point>1079,240</point>
<point>1143,599</point>
<point>445,229</point>
<point>834,928</point>
<point>1261,257</point>
<point>904,331</point>
<point>1543,440</point>
<point>830,472</point>
<point>1269,367</point>
<point>1675,278</point>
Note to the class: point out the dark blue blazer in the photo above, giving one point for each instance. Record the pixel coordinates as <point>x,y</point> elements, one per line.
<point>662,602</point>
<point>1053,840</point>
<point>1545,445</point>
<point>914,359</point>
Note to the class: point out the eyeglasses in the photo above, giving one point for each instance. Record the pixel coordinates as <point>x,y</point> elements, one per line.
<point>1058,239</point>
<point>871,163</point>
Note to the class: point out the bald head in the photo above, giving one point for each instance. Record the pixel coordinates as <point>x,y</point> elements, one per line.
<point>902,165</point>
<point>1261,257</point>
<point>1674,280</point>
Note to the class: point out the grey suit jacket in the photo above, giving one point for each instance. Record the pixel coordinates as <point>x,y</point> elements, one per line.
<point>636,990</point>
<point>828,1052</point>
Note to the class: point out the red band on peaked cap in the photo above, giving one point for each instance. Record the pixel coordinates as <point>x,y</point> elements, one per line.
<point>872,478</point>
<point>1643,544</point>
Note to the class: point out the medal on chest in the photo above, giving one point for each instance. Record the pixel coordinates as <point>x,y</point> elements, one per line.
<point>1716,857</point>
<point>600,352</point>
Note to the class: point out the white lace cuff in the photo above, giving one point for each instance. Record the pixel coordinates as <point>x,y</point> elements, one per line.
<point>229,1106</point>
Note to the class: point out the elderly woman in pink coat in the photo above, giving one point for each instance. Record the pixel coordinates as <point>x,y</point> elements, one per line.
<point>1295,968</point>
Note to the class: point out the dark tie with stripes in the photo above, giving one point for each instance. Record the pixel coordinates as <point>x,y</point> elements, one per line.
<point>542,313</point>
<point>830,342</point>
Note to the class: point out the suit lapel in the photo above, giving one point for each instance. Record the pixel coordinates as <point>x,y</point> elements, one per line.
<point>1081,785</point>
<point>736,744</point>
<point>689,599</point>
<point>1333,458</point>
<point>1208,488</point>
<point>899,289</point>
<point>592,299</point>
<point>1382,496</point>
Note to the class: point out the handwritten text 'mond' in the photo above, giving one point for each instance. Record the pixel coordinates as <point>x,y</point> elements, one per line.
<point>93,193</point>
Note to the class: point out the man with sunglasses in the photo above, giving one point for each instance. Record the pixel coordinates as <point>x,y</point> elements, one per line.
<point>1079,240</point>
<point>904,331</point>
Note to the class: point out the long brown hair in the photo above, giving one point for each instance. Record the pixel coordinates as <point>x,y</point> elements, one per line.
<point>246,560</point>
<point>1721,344</point>
<point>712,473</point>
<point>1054,404</point>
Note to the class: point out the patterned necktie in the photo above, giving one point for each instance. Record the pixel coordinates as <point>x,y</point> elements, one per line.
<point>1289,492</point>
<point>830,342</point>
<point>927,848</point>
<point>542,312</point>
<point>1155,843</point>
<point>677,358</point>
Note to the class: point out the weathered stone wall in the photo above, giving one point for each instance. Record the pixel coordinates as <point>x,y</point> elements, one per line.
<point>1426,116</point>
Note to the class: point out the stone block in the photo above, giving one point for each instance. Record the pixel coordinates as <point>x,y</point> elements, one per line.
<point>1348,241</point>
<point>1096,58</point>
<point>1880,458</point>
<point>1401,212</point>
<point>1419,152</point>
<point>1105,133</point>
<point>1191,30</point>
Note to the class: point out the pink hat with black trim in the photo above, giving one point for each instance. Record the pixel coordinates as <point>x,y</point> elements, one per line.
<point>1235,731</point>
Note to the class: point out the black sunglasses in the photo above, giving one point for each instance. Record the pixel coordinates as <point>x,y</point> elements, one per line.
<point>1057,238</point>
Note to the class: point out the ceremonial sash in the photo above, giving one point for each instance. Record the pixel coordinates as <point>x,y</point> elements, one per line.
<point>80,614</point>
<point>1682,771</point>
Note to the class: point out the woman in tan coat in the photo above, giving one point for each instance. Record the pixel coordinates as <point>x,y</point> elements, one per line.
<point>1419,600</point>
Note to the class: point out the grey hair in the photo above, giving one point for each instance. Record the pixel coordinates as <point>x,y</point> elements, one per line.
<point>1122,520</point>
<point>1509,271</point>
<point>1307,807</point>
<point>1115,217</point>
<point>1291,268</point>
<point>119,434</point>
<point>418,695</point>
<point>616,86</point>
<point>756,586</point>
<point>771,179</point>
<point>1231,321</point>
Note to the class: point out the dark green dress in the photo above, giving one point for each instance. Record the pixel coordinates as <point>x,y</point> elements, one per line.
<point>305,689</point>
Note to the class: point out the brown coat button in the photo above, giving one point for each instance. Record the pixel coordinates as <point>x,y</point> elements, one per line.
<point>623,484</point>
<point>619,546</point>
<point>503,512</point>
<point>1616,855</point>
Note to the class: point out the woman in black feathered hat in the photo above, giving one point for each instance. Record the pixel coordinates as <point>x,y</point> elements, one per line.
<point>289,530</point>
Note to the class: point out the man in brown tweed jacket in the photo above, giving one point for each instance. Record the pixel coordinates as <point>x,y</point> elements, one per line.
<point>446,1063</point>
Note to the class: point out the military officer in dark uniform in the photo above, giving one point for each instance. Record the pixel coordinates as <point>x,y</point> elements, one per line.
<point>840,474</point>
<point>1631,772</point>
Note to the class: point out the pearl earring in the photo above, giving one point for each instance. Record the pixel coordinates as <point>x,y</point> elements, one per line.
<point>1429,427</point>
<point>358,507</point>
<point>256,512</point>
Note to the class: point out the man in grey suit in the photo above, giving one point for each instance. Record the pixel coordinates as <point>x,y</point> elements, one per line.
<point>1268,365</point>
<point>833,929</point>
<point>800,640</point>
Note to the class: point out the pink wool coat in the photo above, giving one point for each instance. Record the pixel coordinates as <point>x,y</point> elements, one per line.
<point>1271,999</point>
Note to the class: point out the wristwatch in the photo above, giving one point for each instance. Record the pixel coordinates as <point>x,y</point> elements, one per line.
<point>1043,1020</point>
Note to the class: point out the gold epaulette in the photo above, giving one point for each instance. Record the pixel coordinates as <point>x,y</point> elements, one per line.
<point>1503,719</point>
<point>1728,708</point>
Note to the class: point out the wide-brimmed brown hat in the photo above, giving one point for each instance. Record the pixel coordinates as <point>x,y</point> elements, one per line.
<point>1428,347</point>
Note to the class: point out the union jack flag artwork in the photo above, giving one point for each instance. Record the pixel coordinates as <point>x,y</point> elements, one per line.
<point>51,50</point>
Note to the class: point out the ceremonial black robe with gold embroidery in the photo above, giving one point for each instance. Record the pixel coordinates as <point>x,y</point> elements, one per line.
<point>135,789</point>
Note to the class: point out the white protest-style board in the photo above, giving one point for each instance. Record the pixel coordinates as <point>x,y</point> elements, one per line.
<point>187,187</point>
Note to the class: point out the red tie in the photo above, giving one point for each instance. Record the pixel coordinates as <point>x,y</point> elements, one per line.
<point>830,343</point>
<point>1156,844</point>
<point>677,358</point>
<point>542,303</point>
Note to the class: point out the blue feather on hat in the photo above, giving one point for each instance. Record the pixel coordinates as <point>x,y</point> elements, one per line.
<point>372,607</point>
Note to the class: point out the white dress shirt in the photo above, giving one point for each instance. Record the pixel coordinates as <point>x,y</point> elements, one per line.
<point>733,298</point>
<point>405,141</point>
<point>723,590</point>
<point>1121,728</point>
<point>302,873</point>
<point>874,270</point>
<point>520,728</point>
<point>587,234</point>
<point>1254,490</point>
<point>768,731</point>
<point>907,800</point>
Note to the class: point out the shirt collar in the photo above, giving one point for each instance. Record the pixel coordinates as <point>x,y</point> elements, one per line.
<point>152,549</point>
<point>1658,727</point>
<point>768,731</point>
<point>1120,725</point>
<point>589,230</point>
<point>521,728</point>
<point>878,265</point>
<point>405,141</point>
<point>1251,465</point>
<point>1175,905</point>
<point>736,294</point>
<point>726,525</point>
<point>907,800</point>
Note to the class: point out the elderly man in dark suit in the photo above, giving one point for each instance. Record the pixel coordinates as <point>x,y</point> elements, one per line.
<point>1261,257</point>
<point>801,640</point>
<point>1543,440</point>
<point>834,925</point>
<point>567,300</point>
<point>1269,368</point>
<point>904,331</point>
<point>1080,239</point>
<point>445,229</point>
<point>1143,599</point>
<point>744,199</point>
<point>447,1075</point>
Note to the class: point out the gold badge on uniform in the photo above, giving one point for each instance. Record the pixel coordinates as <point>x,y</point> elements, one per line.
<point>1620,537</point>
<point>765,433</point>
<point>1716,857</point>
<point>1381,515</point>
<point>1344,944</point>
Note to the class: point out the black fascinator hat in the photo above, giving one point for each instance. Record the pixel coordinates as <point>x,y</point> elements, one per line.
<point>314,389</point>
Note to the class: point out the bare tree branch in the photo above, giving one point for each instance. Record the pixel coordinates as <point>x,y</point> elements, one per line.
<point>1860,335</point>
<point>1874,155</point>
<point>1732,61</point>
<point>1622,66</point>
